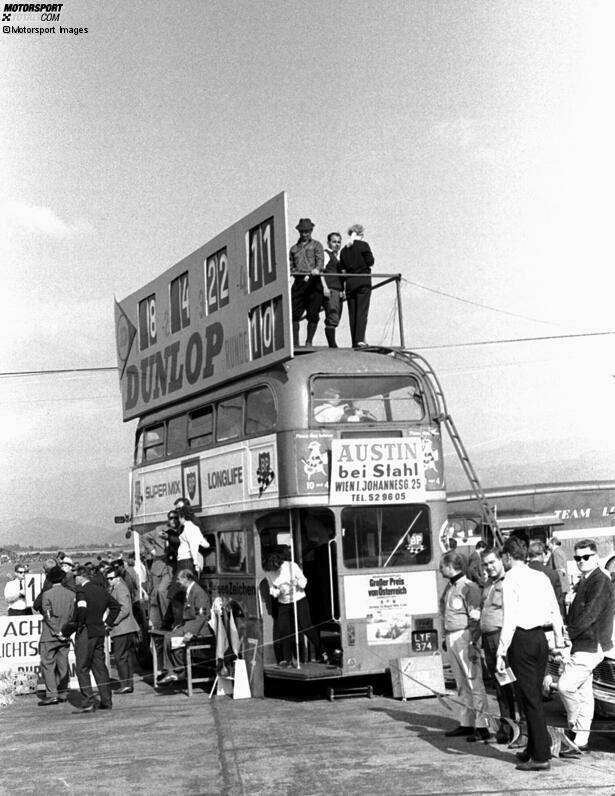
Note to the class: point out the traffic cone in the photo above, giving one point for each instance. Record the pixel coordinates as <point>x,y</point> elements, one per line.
<point>241,688</point>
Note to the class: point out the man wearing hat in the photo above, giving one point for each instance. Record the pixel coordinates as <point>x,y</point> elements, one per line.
<point>307,261</point>
<point>57,606</point>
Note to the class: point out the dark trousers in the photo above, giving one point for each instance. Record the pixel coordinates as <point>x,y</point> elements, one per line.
<point>123,651</point>
<point>54,667</point>
<point>528,654</point>
<point>505,694</point>
<point>306,296</point>
<point>284,628</point>
<point>358,299</point>
<point>90,657</point>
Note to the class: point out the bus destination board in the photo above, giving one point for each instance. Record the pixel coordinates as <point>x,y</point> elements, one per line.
<point>220,313</point>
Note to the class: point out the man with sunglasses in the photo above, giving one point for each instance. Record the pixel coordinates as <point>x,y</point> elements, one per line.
<point>590,628</point>
<point>15,593</point>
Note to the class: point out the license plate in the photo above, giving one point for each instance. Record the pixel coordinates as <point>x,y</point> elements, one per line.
<point>424,640</point>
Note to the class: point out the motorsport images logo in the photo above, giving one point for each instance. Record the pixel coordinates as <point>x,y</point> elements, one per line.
<point>33,13</point>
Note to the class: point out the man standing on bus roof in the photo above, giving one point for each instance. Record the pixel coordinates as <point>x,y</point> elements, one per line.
<point>306,257</point>
<point>590,628</point>
<point>529,607</point>
<point>333,287</point>
<point>460,611</point>
<point>356,258</point>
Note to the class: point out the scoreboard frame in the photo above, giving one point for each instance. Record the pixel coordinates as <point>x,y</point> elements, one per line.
<point>220,313</point>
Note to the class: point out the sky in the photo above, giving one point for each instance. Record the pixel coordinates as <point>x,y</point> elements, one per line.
<point>472,139</point>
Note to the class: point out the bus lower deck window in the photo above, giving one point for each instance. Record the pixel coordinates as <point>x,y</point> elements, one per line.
<point>387,536</point>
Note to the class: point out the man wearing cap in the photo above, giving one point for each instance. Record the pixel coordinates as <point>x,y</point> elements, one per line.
<point>67,565</point>
<point>15,593</point>
<point>307,261</point>
<point>57,606</point>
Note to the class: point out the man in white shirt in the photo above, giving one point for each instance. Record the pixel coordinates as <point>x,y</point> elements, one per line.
<point>15,593</point>
<point>529,607</point>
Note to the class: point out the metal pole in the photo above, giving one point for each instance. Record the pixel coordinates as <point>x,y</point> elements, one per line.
<point>402,338</point>
<point>292,587</point>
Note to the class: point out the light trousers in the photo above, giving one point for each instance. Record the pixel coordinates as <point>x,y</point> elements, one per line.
<point>469,678</point>
<point>575,689</point>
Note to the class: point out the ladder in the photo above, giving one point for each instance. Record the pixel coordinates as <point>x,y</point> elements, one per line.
<point>487,514</point>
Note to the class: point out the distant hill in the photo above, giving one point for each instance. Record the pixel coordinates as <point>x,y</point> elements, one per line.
<point>44,532</point>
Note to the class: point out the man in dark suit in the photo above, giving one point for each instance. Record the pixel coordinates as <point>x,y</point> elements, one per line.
<point>92,625</point>
<point>536,554</point>
<point>195,616</point>
<point>356,258</point>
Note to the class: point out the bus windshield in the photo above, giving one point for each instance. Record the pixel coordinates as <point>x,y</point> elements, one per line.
<point>388,536</point>
<point>373,398</point>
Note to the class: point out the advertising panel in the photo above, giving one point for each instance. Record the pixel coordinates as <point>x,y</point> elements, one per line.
<point>389,602</point>
<point>381,471</point>
<point>19,639</point>
<point>236,477</point>
<point>220,313</point>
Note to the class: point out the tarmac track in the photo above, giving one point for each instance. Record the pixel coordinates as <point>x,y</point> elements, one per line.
<point>164,743</point>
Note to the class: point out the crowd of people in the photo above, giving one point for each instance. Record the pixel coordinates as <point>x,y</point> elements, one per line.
<point>504,616</point>
<point>324,277</point>
<point>85,603</point>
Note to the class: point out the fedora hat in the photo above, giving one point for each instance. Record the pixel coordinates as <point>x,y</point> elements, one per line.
<point>305,225</point>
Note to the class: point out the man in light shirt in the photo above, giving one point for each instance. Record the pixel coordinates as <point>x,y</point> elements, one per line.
<point>529,607</point>
<point>590,627</point>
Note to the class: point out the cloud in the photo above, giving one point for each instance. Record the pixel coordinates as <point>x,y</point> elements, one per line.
<point>41,221</point>
<point>469,136</point>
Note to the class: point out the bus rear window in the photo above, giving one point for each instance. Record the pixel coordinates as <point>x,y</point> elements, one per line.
<point>366,399</point>
<point>387,536</point>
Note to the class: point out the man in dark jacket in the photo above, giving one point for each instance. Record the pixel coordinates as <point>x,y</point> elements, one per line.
<point>93,624</point>
<point>590,627</point>
<point>356,258</point>
<point>536,554</point>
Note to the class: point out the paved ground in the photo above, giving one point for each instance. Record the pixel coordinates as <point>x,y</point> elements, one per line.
<point>168,744</point>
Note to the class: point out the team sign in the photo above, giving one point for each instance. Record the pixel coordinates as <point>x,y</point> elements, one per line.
<point>380,471</point>
<point>220,313</point>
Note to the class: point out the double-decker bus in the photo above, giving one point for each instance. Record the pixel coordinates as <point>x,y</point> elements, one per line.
<point>332,454</point>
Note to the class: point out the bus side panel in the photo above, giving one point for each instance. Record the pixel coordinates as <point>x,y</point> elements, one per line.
<point>386,616</point>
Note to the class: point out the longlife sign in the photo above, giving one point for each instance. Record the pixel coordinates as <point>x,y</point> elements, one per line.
<point>220,313</point>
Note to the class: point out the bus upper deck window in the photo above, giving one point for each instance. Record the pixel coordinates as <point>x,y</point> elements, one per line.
<point>387,536</point>
<point>139,447</point>
<point>366,399</point>
<point>229,419</point>
<point>201,427</point>
<point>153,443</point>
<point>260,411</point>
<point>176,435</point>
